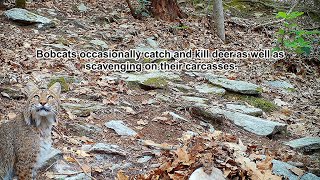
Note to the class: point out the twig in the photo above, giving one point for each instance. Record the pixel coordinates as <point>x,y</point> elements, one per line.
<point>83,169</point>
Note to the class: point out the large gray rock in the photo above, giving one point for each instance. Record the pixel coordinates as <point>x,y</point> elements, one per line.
<point>195,99</point>
<point>252,124</point>
<point>205,88</point>
<point>305,144</point>
<point>245,109</point>
<point>235,86</point>
<point>120,128</point>
<point>108,149</point>
<point>83,109</point>
<point>283,169</point>
<point>25,16</point>
<point>281,85</point>
<point>50,158</point>
<point>83,129</point>
<point>154,79</point>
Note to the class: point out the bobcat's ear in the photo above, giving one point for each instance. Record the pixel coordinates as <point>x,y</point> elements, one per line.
<point>30,88</point>
<point>56,88</point>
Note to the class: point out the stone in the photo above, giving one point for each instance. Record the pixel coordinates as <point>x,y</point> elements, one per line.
<point>176,116</point>
<point>305,144</point>
<point>82,129</point>
<point>11,93</point>
<point>182,87</point>
<point>244,109</point>
<point>107,149</point>
<point>100,43</point>
<point>82,8</point>
<point>81,176</point>
<point>152,42</point>
<point>280,85</point>
<point>256,125</point>
<point>283,169</point>
<point>206,88</point>
<point>154,79</point>
<point>81,109</point>
<point>50,158</point>
<point>25,16</point>
<point>144,159</point>
<point>120,128</point>
<point>164,98</point>
<point>235,86</point>
<point>195,99</point>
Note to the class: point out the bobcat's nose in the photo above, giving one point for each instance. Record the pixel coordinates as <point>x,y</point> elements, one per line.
<point>43,103</point>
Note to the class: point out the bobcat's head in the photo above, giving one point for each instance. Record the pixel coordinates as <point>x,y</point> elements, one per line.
<point>42,104</point>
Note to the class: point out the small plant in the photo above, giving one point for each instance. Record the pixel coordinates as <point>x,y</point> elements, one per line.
<point>294,40</point>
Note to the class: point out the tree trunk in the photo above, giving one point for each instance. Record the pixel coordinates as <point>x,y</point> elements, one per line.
<point>218,18</point>
<point>166,10</point>
<point>20,3</point>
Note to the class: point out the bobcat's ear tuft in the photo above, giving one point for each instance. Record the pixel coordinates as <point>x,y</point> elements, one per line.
<point>56,88</point>
<point>30,88</point>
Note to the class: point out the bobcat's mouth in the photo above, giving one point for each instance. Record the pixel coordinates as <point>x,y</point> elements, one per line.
<point>43,108</point>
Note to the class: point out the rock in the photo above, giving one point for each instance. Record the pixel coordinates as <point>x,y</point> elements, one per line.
<point>82,110</point>
<point>108,149</point>
<point>244,109</point>
<point>81,176</point>
<point>163,97</point>
<point>281,85</point>
<point>252,124</point>
<point>279,102</point>
<point>62,170</point>
<point>153,79</point>
<point>120,128</point>
<point>208,125</point>
<point>100,43</point>
<point>283,169</point>
<point>12,93</point>
<point>206,88</point>
<point>309,176</point>
<point>50,158</point>
<point>199,173</point>
<point>235,86</point>
<point>144,159</point>
<point>195,99</point>
<point>82,8</point>
<point>176,116</point>
<point>305,144</point>
<point>25,16</point>
<point>182,87</point>
<point>82,129</point>
<point>152,42</point>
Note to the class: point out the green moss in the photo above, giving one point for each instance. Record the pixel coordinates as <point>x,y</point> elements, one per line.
<point>63,82</point>
<point>158,82</point>
<point>257,102</point>
<point>260,90</point>
<point>290,89</point>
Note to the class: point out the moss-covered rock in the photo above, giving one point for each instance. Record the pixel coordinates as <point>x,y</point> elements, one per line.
<point>63,82</point>
<point>157,82</point>
<point>257,102</point>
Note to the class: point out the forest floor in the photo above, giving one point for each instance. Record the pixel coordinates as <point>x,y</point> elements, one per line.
<point>141,109</point>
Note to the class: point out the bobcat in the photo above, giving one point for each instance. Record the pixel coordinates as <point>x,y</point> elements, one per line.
<point>25,140</point>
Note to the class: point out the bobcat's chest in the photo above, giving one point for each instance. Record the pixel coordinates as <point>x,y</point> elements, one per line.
<point>44,148</point>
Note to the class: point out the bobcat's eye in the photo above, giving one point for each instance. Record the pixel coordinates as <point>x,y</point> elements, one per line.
<point>50,97</point>
<point>36,96</point>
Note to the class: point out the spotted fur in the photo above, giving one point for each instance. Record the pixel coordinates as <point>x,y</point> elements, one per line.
<point>25,140</point>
